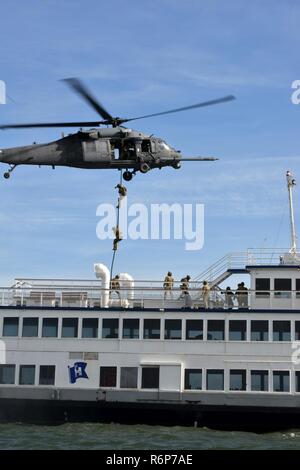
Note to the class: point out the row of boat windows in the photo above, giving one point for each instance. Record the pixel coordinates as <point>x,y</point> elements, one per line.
<point>260,330</point>
<point>26,375</point>
<point>194,379</point>
<point>259,380</point>
<point>281,286</point>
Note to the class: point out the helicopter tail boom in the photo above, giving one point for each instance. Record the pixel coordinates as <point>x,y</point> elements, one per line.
<point>199,159</point>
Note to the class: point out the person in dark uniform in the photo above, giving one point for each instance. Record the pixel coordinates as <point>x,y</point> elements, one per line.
<point>115,285</point>
<point>229,295</point>
<point>184,286</point>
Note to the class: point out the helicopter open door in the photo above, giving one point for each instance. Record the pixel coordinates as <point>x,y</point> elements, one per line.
<point>129,149</point>
<point>135,148</point>
<point>97,151</point>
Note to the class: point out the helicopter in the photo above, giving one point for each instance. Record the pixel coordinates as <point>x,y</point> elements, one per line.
<point>112,147</point>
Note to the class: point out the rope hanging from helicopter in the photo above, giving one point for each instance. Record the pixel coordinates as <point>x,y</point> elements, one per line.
<point>122,192</point>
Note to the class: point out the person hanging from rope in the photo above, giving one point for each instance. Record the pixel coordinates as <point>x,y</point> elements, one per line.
<point>122,193</point>
<point>118,237</point>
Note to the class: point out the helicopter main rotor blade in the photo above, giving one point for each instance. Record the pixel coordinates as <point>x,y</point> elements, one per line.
<point>185,108</point>
<point>198,159</point>
<point>53,124</point>
<point>81,89</point>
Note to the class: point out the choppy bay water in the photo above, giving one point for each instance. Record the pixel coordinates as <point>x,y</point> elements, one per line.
<point>122,437</point>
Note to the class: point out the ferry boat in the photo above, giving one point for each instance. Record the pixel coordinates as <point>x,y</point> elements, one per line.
<point>75,350</point>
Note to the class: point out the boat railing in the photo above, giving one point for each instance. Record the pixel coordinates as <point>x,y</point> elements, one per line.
<point>217,272</point>
<point>145,295</point>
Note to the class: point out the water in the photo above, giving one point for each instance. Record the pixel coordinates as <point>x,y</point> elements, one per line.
<point>121,437</point>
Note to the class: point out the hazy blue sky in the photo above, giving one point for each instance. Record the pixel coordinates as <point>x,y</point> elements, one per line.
<point>141,57</point>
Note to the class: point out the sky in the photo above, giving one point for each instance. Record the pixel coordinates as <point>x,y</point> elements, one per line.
<point>142,57</point>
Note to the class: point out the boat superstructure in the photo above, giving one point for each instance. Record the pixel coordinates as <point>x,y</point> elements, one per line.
<point>80,350</point>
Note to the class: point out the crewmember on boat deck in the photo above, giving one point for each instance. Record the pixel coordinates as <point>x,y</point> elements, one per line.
<point>244,295</point>
<point>205,294</point>
<point>168,285</point>
<point>239,295</point>
<point>229,297</point>
<point>185,281</point>
<point>184,287</point>
<point>115,285</point>
<point>122,193</point>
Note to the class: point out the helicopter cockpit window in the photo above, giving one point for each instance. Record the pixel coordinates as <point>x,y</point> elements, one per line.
<point>164,146</point>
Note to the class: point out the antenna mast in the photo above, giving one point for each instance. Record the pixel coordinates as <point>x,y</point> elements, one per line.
<point>290,183</point>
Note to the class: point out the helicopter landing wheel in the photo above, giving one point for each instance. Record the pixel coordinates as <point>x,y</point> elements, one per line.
<point>11,169</point>
<point>127,176</point>
<point>144,168</point>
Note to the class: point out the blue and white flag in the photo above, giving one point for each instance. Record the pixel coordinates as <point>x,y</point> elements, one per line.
<point>77,371</point>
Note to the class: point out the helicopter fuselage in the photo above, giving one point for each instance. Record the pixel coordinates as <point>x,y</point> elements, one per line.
<point>111,148</point>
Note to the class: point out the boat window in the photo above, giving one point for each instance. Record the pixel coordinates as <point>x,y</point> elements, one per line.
<point>281,381</point>
<point>283,288</point>
<point>47,375</point>
<point>150,377</point>
<point>281,330</point>
<point>110,328</point>
<point>263,286</point>
<point>194,329</point>
<point>129,376</point>
<point>215,330</point>
<point>193,379</point>
<point>259,380</point>
<point>173,329</point>
<point>298,288</point>
<point>238,379</point>
<point>297,381</point>
<point>152,328</point>
<point>27,375</point>
<point>50,328</point>
<point>237,330</point>
<point>131,328</point>
<point>90,328</point>
<point>215,379</point>
<point>7,374</point>
<point>108,376</point>
<point>259,330</point>
<point>30,327</point>
<point>10,326</point>
<point>297,330</point>
<point>70,328</point>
